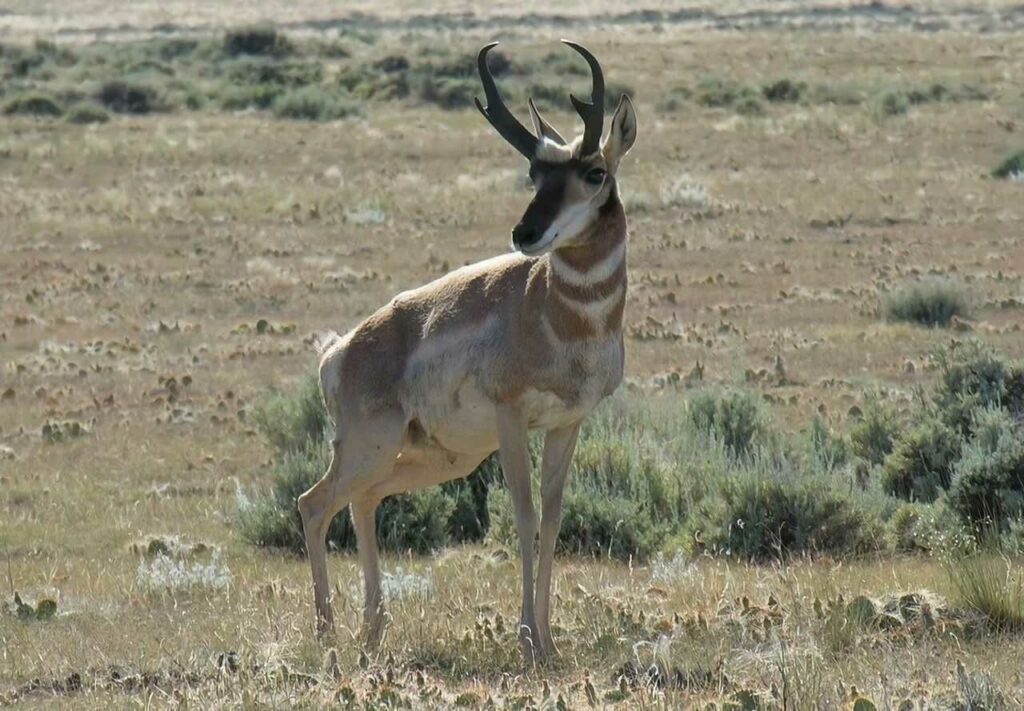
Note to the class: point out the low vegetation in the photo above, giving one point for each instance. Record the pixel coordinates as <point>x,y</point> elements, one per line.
<point>1012,167</point>
<point>928,303</point>
<point>719,480</point>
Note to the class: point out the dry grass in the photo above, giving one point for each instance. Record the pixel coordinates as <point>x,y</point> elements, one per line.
<point>160,273</point>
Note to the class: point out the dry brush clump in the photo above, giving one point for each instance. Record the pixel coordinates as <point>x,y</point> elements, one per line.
<point>928,303</point>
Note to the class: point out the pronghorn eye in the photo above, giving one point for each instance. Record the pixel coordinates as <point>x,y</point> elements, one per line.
<point>595,176</point>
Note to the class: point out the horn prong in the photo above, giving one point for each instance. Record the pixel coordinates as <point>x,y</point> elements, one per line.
<point>591,112</point>
<point>498,114</point>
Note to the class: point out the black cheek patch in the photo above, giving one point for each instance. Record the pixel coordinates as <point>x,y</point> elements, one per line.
<point>547,202</point>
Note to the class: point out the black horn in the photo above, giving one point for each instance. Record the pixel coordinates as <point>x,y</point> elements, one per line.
<point>592,113</point>
<point>498,114</point>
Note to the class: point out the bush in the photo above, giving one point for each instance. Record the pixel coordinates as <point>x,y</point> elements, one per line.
<point>448,93</point>
<point>1012,165</point>
<point>873,435</point>
<point>260,41</point>
<point>737,419</point>
<point>297,427</point>
<point>717,93</point>
<point>784,90</point>
<point>973,377</point>
<point>128,97</point>
<point>765,512</point>
<point>929,528</point>
<point>87,112</point>
<point>893,103</point>
<point>372,81</point>
<point>283,74</point>
<point>749,106</point>
<point>33,105</point>
<point>259,96</point>
<point>290,421</point>
<point>988,484</point>
<point>828,450</point>
<point>622,503</point>
<point>313,104</point>
<point>921,465</point>
<point>929,303</point>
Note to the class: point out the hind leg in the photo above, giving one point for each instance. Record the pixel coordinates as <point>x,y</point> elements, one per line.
<point>362,457</point>
<point>364,521</point>
<point>411,472</point>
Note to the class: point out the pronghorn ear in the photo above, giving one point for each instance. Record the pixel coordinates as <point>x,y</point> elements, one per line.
<point>622,134</point>
<point>541,127</point>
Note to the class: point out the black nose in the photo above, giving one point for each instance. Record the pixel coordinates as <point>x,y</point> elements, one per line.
<point>524,235</point>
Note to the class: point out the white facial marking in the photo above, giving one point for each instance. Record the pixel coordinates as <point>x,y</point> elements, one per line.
<point>569,223</point>
<point>551,152</point>
<point>596,274</point>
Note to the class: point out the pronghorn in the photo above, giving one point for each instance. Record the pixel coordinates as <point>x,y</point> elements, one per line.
<point>442,376</point>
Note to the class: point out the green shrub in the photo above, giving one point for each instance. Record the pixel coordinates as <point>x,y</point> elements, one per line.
<point>925,95</point>
<point>252,96</point>
<point>33,104</point>
<point>620,502</point>
<point>258,70</point>
<point>765,512</point>
<point>290,421</point>
<point>929,303</point>
<point>737,419</point>
<point>749,106</point>
<point>973,377</point>
<point>920,466</point>
<point>875,432</point>
<point>893,103</point>
<point>928,528</point>
<point>988,484</point>
<point>312,103</point>
<point>446,92</point>
<point>836,94</point>
<point>829,451</point>
<point>1012,165</point>
<point>87,112</point>
<point>128,96</point>
<point>784,91</point>
<point>723,93</point>
<point>717,93</point>
<point>260,41</point>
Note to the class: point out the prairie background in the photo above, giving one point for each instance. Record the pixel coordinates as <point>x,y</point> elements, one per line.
<point>169,255</point>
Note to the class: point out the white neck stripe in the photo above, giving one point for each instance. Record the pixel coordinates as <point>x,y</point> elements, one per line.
<point>594,310</point>
<point>596,274</point>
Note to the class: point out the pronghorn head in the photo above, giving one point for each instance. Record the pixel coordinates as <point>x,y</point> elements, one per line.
<point>573,179</point>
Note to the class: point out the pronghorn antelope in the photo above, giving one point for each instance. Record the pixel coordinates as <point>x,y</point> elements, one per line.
<point>431,384</point>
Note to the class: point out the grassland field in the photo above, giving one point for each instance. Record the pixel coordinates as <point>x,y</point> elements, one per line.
<point>180,215</point>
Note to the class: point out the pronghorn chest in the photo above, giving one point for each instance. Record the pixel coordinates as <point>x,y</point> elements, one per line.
<point>576,379</point>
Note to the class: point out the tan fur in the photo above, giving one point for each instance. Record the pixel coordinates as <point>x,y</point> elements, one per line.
<point>445,374</point>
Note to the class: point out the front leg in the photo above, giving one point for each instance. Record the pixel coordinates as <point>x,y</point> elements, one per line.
<point>558,449</point>
<point>515,461</point>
